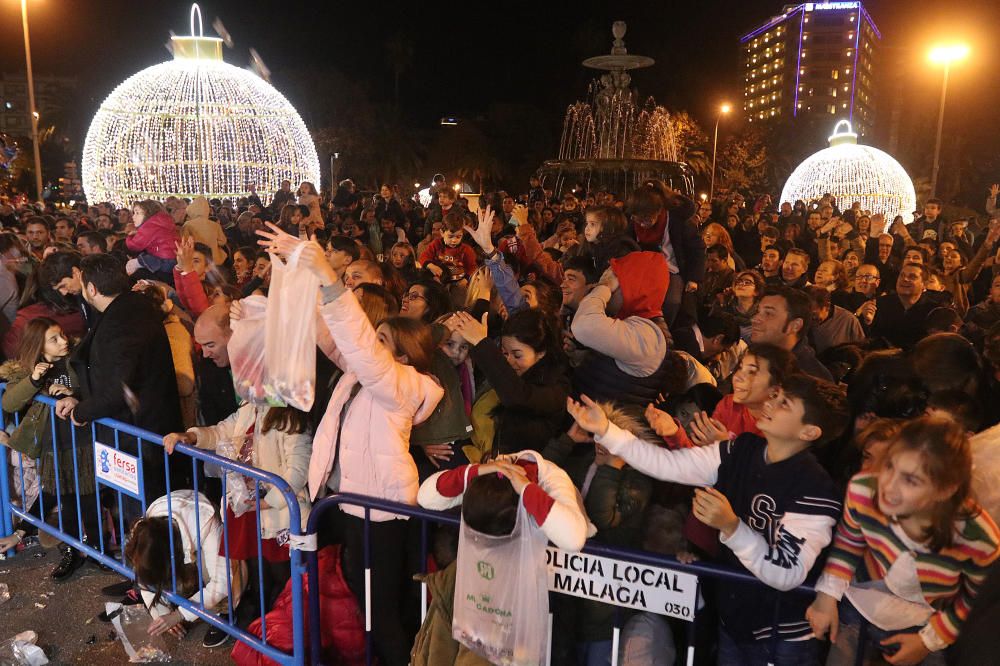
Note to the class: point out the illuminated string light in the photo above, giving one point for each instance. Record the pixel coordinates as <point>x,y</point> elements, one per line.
<point>853,173</point>
<point>194,126</point>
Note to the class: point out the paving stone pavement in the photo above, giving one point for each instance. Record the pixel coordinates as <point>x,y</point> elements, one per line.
<point>64,614</point>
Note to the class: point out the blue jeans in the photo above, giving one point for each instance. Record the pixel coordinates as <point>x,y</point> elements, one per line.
<point>844,652</point>
<point>758,653</point>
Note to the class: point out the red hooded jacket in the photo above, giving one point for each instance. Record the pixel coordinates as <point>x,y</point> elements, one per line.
<point>643,279</point>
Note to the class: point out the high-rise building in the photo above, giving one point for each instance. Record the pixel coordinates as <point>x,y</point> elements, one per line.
<point>816,58</point>
<point>51,92</point>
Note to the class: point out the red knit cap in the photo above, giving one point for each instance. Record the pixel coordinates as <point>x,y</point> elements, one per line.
<point>643,278</point>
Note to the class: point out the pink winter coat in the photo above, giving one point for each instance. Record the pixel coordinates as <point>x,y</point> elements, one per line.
<point>374,457</point>
<point>157,236</point>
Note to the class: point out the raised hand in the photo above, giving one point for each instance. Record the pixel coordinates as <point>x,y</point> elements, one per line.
<point>514,473</point>
<point>609,280</point>
<point>520,213</point>
<point>705,430</point>
<point>466,325</point>
<point>276,241</point>
<point>663,424</point>
<point>185,254</point>
<point>481,234</point>
<point>994,232</point>
<point>588,415</point>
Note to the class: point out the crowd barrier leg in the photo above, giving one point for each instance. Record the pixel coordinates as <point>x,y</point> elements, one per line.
<point>132,498</point>
<point>368,587</point>
<point>6,522</point>
<point>692,628</point>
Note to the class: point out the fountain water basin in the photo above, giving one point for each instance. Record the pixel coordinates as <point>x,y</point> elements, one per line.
<point>611,141</point>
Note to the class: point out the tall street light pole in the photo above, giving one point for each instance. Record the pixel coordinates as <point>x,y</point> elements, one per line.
<point>31,100</point>
<point>723,110</point>
<point>943,55</point>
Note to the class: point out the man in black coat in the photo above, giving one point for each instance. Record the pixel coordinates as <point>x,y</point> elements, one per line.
<point>125,367</point>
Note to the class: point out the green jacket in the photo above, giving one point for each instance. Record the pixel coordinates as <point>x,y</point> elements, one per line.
<point>19,395</point>
<point>616,504</point>
<point>434,645</point>
<point>448,422</point>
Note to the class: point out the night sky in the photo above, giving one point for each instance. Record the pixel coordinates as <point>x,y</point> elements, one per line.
<point>467,55</point>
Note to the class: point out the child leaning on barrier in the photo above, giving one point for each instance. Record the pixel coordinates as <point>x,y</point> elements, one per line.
<point>511,507</point>
<point>42,369</point>
<point>774,505</point>
<point>276,440</point>
<point>924,544</point>
<point>149,551</point>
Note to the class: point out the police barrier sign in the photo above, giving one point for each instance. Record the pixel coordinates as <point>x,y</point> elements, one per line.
<point>116,469</point>
<point>619,583</point>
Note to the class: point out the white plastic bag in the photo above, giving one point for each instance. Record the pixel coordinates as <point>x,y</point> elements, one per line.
<point>30,475</point>
<point>501,603</point>
<point>246,351</point>
<point>290,343</point>
<point>239,491</point>
<point>132,626</point>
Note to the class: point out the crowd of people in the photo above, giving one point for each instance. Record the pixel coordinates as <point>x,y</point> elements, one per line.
<point>803,392</point>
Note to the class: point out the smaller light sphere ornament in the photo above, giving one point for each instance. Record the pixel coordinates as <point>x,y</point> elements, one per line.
<point>194,126</point>
<point>851,172</point>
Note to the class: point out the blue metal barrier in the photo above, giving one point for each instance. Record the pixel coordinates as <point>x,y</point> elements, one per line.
<point>128,496</point>
<point>444,518</point>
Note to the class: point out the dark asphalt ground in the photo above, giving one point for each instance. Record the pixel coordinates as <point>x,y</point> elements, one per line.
<point>64,615</point>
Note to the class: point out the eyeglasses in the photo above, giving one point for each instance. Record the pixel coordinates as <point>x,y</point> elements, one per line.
<point>867,278</point>
<point>744,283</point>
<point>409,296</point>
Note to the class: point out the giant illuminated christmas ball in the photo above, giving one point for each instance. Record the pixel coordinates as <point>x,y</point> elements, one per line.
<point>194,126</point>
<point>852,173</point>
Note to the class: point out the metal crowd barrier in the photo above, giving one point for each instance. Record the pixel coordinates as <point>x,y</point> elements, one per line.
<point>129,487</point>
<point>425,516</point>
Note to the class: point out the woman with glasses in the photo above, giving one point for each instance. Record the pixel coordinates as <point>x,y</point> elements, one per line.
<point>740,300</point>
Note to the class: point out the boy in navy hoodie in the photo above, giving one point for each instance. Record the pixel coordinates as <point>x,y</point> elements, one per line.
<point>773,503</point>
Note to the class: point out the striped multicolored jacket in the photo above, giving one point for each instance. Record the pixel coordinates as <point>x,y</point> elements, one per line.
<point>949,579</point>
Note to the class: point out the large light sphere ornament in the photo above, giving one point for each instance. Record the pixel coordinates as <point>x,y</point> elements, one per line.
<point>194,126</point>
<point>853,173</point>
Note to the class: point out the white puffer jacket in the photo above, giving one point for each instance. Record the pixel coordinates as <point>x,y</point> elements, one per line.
<point>202,527</point>
<point>374,440</point>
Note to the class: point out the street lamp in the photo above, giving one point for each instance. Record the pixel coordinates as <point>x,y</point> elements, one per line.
<point>723,110</point>
<point>944,55</point>
<point>31,100</point>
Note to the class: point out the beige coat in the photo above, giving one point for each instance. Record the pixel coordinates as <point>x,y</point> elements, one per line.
<point>204,230</point>
<point>182,351</point>
<point>277,452</point>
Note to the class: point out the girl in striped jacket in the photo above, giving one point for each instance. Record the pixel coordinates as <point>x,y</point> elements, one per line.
<point>924,544</point>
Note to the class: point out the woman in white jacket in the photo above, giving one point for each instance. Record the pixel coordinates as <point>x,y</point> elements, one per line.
<point>362,442</point>
<point>274,439</point>
<point>148,549</point>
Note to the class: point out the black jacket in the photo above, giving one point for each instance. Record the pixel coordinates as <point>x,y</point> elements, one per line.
<point>127,346</point>
<point>532,407</point>
<point>685,239</point>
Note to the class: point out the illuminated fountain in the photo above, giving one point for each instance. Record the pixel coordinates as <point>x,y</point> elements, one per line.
<point>613,141</point>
